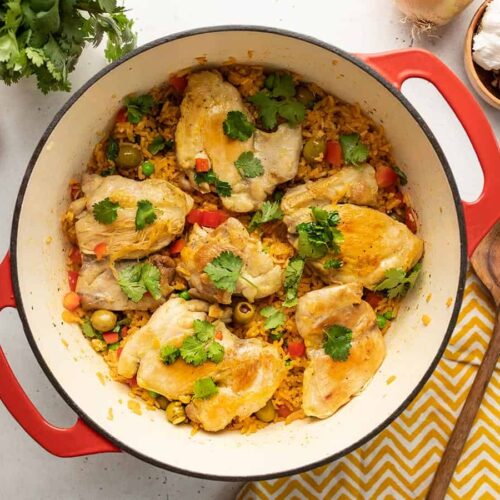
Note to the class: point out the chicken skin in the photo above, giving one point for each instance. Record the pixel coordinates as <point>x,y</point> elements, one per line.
<point>247,376</point>
<point>329,384</point>
<point>207,101</point>
<point>122,239</point>
<point>259,276</point>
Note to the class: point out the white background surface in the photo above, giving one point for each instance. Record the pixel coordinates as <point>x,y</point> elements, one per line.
<point>26,470</point>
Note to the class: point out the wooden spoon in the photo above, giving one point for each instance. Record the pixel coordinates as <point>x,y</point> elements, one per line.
<point>486,262</point>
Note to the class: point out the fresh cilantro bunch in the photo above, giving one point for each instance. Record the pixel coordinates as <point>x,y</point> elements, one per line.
<point>137,279</point>
<point>268,211</point>
<point>397,282</point>
<point>337,343</point>
<point>317,238</point>
<point>45,38</point>
<point>278,99</point>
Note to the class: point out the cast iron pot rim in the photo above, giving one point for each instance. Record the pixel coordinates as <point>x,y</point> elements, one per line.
<point>216,29</point>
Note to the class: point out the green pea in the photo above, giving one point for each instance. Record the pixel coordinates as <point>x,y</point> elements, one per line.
<point>148,168</point>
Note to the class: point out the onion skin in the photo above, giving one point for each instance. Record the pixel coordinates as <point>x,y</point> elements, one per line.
<point>431,13</point>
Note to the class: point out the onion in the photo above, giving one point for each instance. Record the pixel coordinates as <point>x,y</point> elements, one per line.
<point>427,14</point>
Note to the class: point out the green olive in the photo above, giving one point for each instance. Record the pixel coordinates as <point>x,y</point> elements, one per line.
<point>103,320</point>
<point>314,149</point>
<point>176,413</point>
<point>243,313</point>
<point>162,402</point>
<point>266,413</point>
<point>129,156</point>
<point>305,96</point>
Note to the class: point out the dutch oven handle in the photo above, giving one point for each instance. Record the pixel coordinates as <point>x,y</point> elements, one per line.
<point>75,441</point>
<point>400,65</point>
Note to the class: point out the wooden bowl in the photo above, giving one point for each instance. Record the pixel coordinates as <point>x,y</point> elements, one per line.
<point>474,72</point>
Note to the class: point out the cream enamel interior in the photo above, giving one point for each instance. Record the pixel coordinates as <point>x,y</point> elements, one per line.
<point>411,347</point>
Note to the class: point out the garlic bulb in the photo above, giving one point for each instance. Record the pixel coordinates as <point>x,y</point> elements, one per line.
<point>486,44</point>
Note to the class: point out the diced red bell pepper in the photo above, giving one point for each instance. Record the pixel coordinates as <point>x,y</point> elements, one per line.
<point>333,154</point>
<point>386,177</point>
<point>218,335</point>
<point>75,256</point>
<point>296,349</point>
<point>179,83</point>
<point>207,218</point>
<point>121,116</point>
<point>111,337</point>
<point>411,219</point>
<point>373,298</point>
<point>201,165</point>
<point>72,280</point>
<point>124,331</point>
<point>177,246</point>
<point>283,411</point>
<point>71,301</point>
<point>132,382</point>
<point>119,352</point>
<point>100,250</point>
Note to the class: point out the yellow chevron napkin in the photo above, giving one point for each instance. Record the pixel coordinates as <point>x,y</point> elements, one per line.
<point>400,462</point>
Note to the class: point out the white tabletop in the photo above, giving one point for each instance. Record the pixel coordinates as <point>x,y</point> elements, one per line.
<point>26,470</point>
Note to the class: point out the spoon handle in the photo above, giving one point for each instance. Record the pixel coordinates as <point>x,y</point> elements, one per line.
<point>466,418</point>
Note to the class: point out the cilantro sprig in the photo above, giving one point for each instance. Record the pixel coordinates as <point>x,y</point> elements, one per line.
<point>205,388</point>
<point>236,126</point>
<point>200,347</point>
<point>222,188</point>
<point>145,214</point>
<point>137,279</point>
<point>46,38</point>
<point>249,165</point>
<point>353,150</point>
<point>274,317</point>
<point>138,106</point>
<point>397,282</point>
<point>278,100</point>
<point>105,211</point>
<point>333,264</point>
<point>337,342</point>
<point>224,271</point>
<point>169,354</point>
<point>318,238</point>
<point>269,210</point>
<point>293,275</point>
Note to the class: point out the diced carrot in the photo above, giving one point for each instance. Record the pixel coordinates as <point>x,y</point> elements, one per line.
<point>283,411</point>
<point>111,337</point>
<point>333,154</point>
<point>296,349</point>
<point>100,250</point>
<point>71,301</point>
<point>218,335</point>
<point>207,218</point>
<point>75,256</point>
<point>385,177</point>
<point>411,219</point>
<point>201,165</point>
<point>72,280</point>
<point>179,83</point>
<point>177,246</point>
<point>373,298</point>
<point>121,116</point>
<point>119,352</point>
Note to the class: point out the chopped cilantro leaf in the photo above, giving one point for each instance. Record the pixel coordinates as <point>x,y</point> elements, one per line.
<point>293,274</point>
<point>397,282</point>
<point>112,149</point>
<point>333,264</point>
<point>145,214</point>
<point>204,330</point>
<point>249,165</point>
<point>224,270</point>
<point>292,111</point>
<point>204,388</point>
<point>215,352</point>
<point>222,188</point>
<point>237,126</point>
<point>169,354</point>
<point>274,317</point>
<point>157,144</point>
<point>403,180</point>
<point>185,295</point>
<point>353,150</point>
<point>280,85</point>
<point>138,106</point>
<point>105,211</point>
<point>137,279</point>
<point>193,351</point>
<point>337,343</point>
<point>268,109</point>
<point>268,211</point>
<point>88,329</point>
